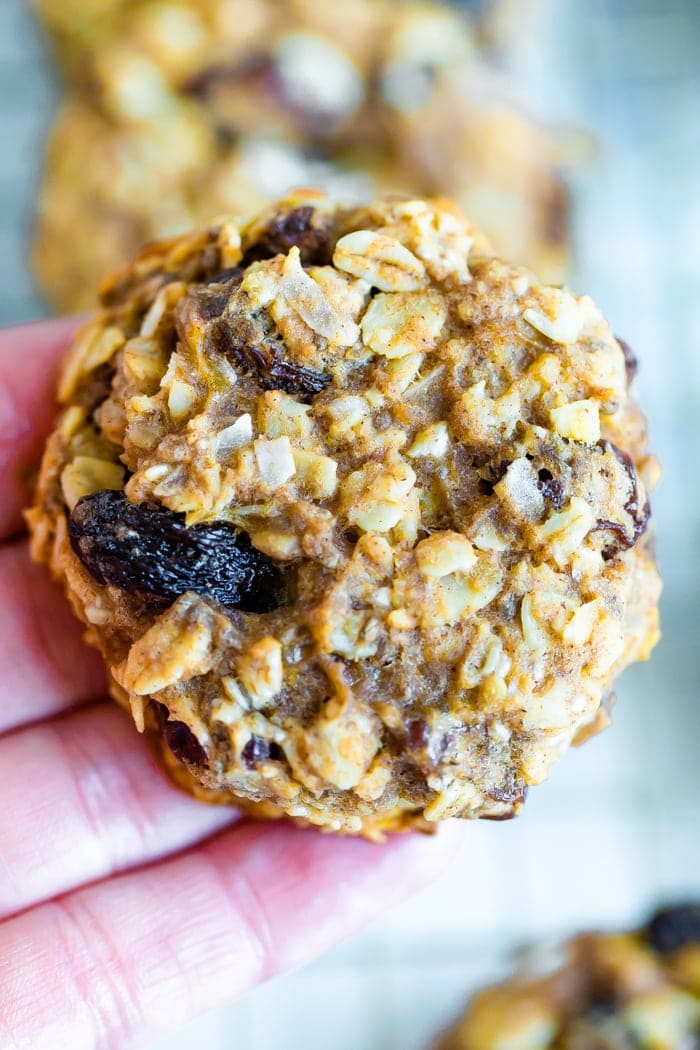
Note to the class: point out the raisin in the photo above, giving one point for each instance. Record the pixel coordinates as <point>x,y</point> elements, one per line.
<point>255,68</point>
<point>508,792</point>
<point>434,745</point>
<point>620,536</point>
<point>602,1004</point>
<point>259,356</point>
<point>418,734</point>
<point>624,539</point>
<point>292,228</point>
<point>98,388</point>
<point>148,551</point>
<point>233,273</point>
<point>259,750</point>
<point>179,737</point>
<point>515,796</point>
<point>213,304</point>
<point>184,744</point>
<point>671,928</point>
<point>210,301</point>
<point>551,489</point>
<point>631,362</point>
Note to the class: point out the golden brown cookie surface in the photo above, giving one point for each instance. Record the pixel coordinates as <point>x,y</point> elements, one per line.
<point>355,511</point>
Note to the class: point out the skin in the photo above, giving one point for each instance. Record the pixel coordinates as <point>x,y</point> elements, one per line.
<point>127,908</point>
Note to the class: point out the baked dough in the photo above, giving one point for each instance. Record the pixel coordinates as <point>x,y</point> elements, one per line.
<point>355,511</point>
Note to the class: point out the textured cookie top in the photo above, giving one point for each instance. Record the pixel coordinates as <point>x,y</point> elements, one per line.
<point>634,991</point>
<point>384,519</point>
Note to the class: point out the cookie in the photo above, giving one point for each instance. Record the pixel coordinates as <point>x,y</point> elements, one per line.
<point>181,112</point>
<point>355,511</point>
<point>630,991</point>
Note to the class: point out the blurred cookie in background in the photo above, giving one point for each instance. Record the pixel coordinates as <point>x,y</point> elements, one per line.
<point>178,108</point>
<point>80,27</point>
<point>628,991</point>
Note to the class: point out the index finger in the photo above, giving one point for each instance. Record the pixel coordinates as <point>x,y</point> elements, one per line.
<point>124,961</point>
<point>30,357</point>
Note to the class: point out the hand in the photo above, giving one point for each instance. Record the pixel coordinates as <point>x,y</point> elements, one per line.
<point>127,908</point>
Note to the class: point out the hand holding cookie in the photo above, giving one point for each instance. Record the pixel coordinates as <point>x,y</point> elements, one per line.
<point>120,916</point>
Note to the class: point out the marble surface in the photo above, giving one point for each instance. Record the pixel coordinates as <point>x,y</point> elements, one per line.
<point>618,826</point>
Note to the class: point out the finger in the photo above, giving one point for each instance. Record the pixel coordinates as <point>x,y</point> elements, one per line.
<point>29,361</point>
<point>83,798</point>
<point>140,955</point>
<point>44,664</point>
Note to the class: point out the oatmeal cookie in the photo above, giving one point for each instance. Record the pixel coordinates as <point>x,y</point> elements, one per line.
<point>179,112</point>
<point>356,512</point>
<point>630,991</point>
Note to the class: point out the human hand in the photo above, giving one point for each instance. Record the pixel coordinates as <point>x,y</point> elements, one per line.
<point>127,908</point>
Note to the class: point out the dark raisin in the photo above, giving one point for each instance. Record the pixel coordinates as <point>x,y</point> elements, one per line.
<point>631,361</point>
<point>98,388</point>
<point>620,539</point>
<point>259,750</point>
<point>508,792</point>
<point>624,538</point>
<point>213,304</point>
<point>293,379</point>
<point>254,69</point>
<point>200,86</point>
<point>211,300</point>
<point>263,359</point>
<point>672,928</point>
<point>479,459</point>
<point>513,796</point>
<point>551,489</point>
<point>148,551</point>
<point>602,1004</point>
<point>417,734</point>
<point>233,273</point>
<point>184,744</point>
<point>293,228</point>
<point>434,745</point>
